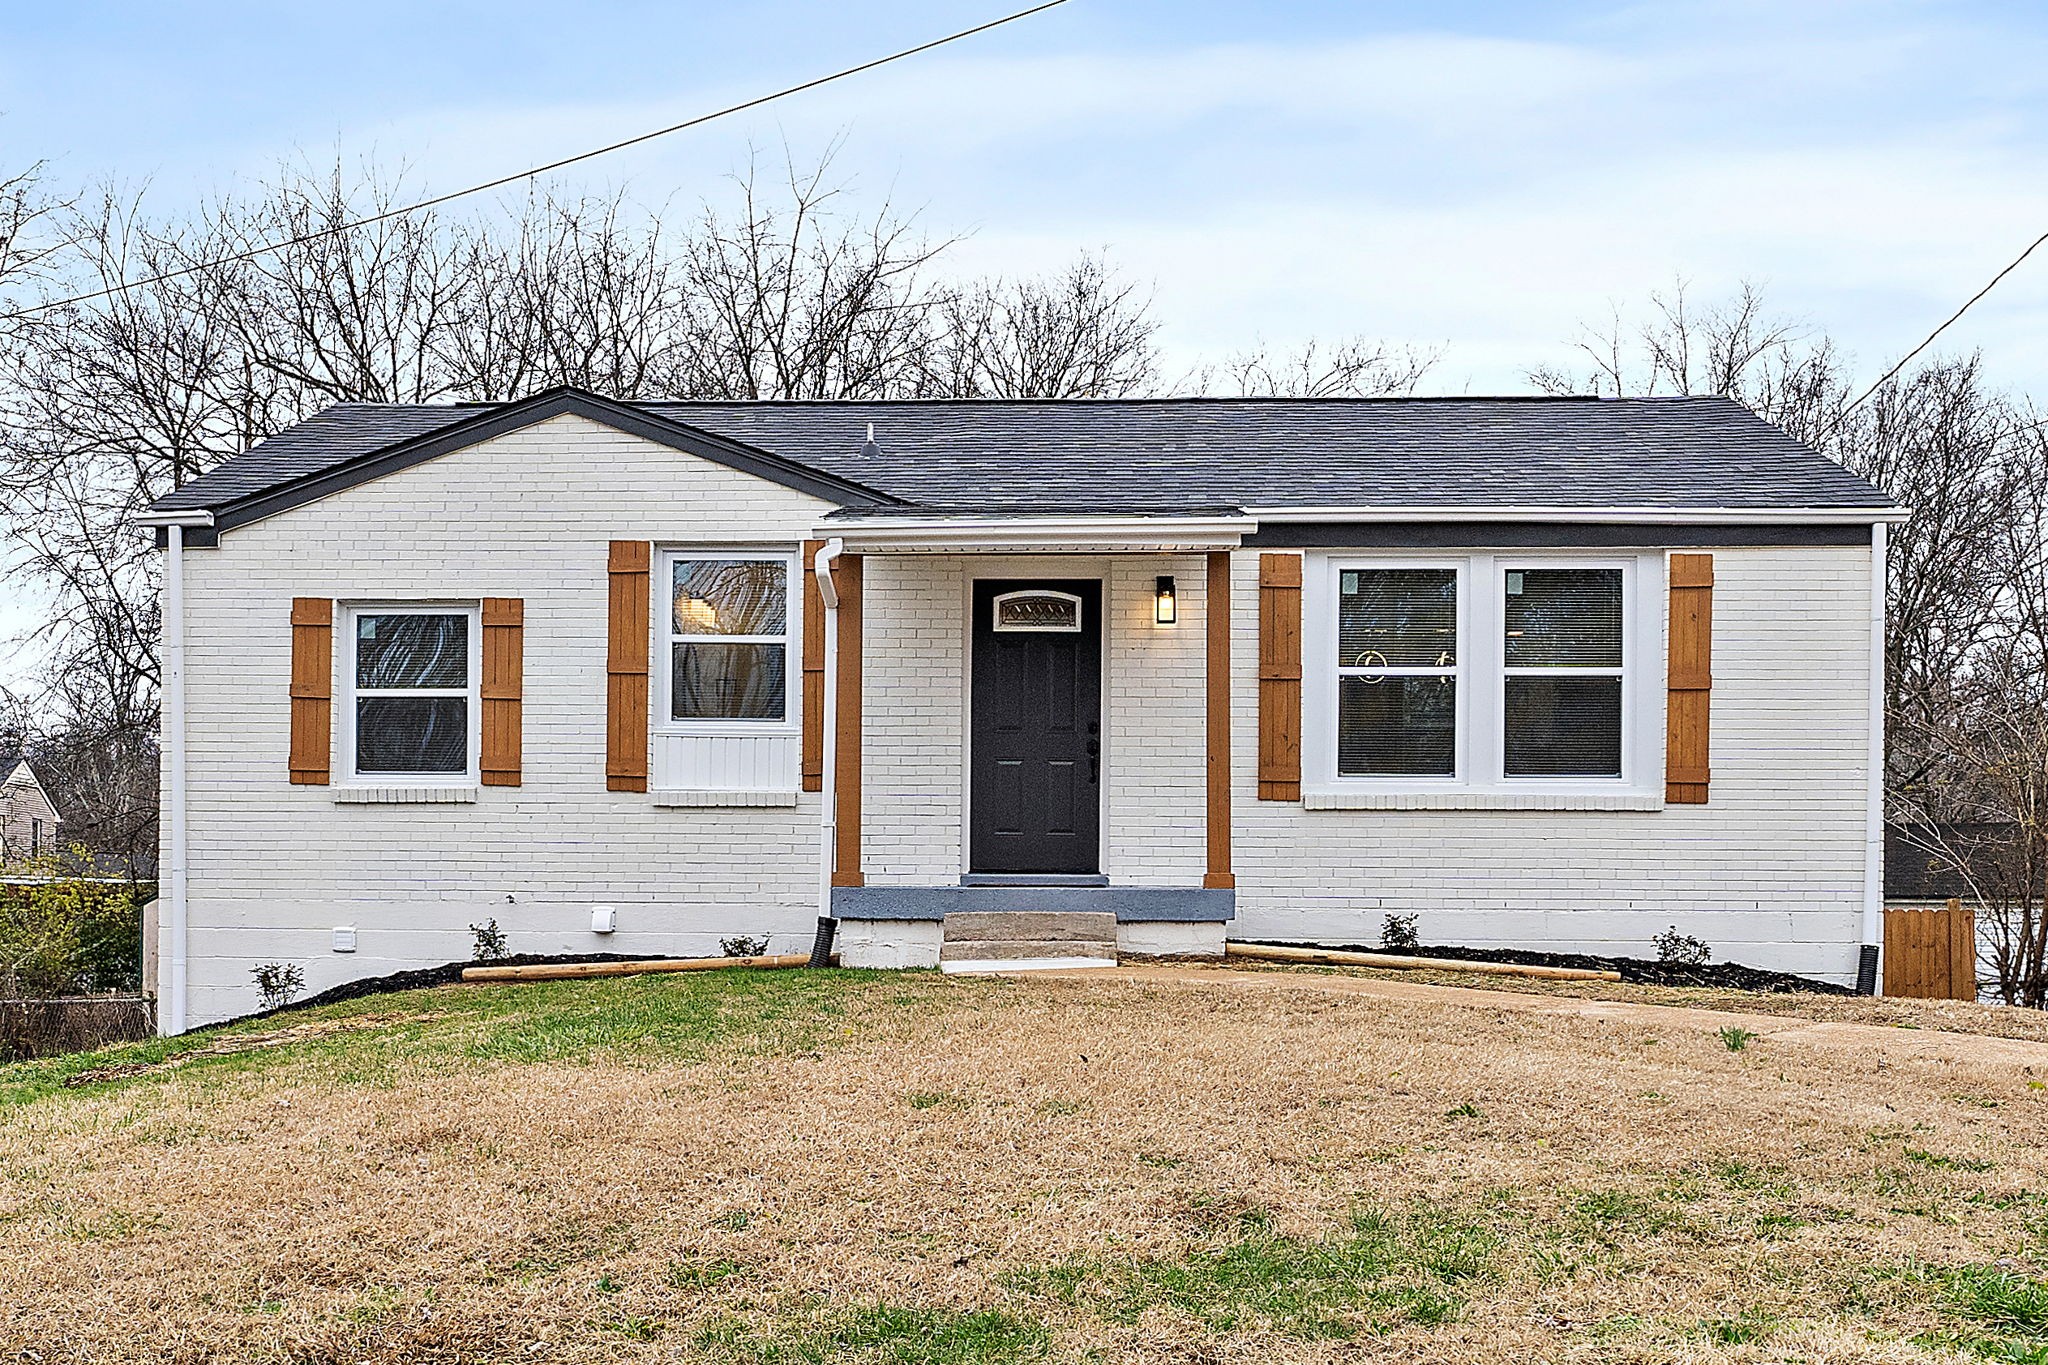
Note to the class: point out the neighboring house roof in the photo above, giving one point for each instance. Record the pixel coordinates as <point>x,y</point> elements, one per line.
<point>1123,456</point>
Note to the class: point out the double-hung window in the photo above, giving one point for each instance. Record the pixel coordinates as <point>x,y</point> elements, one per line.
<point>1561,689</point>
<point>1481,673</point>
<point>412,675</point>
<point>1397,672</point>
<point>729,640</point>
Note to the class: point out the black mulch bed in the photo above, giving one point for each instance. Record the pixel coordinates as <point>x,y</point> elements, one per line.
<point>1644,971</point>
<point>447,974</point>
<point>1727,975</point>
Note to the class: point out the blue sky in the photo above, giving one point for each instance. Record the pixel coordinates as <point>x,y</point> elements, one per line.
<point>1481,177</point>
<point>1478,176</point>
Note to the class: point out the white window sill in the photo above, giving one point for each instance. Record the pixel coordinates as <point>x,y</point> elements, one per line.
<point>690,797</point>
<point>406,796</point>
<point>1328,798</point>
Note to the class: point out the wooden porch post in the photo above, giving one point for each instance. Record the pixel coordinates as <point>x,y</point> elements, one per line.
<point>1216,611</point>
<point>846,576</point>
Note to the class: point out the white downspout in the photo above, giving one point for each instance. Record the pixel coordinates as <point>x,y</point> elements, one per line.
<point>828,817</point>
<point>1873,852</point>
<point>174,1013</point>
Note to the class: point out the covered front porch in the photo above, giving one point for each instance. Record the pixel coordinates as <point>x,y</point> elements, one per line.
<point>1022,716</point>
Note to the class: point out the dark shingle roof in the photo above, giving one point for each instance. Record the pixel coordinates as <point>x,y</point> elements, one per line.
<point>1185,454</point>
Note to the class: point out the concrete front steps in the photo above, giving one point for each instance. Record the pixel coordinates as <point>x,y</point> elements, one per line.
<point>1026,940</point>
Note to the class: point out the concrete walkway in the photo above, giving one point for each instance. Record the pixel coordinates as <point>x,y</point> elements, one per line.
<point>1895,1045</point>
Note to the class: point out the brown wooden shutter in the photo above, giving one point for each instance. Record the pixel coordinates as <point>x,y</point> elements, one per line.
<point>502,689</point>
<point>626,667</point>
<point>1280,677</point>
<point>312,690</point>
<point>814,672</point>
<point>1689,680</point>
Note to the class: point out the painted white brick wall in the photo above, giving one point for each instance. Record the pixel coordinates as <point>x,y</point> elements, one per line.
<point>1769,873</point>
<point>274,867</point>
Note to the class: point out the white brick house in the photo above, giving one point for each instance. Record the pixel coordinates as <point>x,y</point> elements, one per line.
<point>1544,673</point>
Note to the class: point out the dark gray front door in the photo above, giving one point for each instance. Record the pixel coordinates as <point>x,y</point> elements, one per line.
<point>1036,735</point>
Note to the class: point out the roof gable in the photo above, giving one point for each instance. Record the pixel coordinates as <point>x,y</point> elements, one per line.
<point>251,493</point>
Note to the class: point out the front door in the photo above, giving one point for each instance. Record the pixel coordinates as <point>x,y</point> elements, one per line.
<point>1036,740</point>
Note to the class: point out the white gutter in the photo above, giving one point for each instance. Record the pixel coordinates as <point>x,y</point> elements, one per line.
<point>828,806</point>
<point>173,1016</point>
<point>1873,852</point>
<point>196,518</point>
<point>1071,534</point>
<point>1650,516</point>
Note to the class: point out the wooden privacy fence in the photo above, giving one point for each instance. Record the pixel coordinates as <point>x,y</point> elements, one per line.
<point>45,1028</point>
<point>1931,953</point>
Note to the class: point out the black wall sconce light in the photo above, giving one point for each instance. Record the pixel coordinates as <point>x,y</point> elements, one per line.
<point>1163,609</point>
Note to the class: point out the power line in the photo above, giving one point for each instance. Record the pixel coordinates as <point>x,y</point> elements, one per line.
<point>440,199</point>
<point>1893,372</point>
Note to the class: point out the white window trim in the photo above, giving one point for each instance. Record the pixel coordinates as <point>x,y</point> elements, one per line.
<point>1482,688</point>
<point>350,612</point>
<point>666,638</point>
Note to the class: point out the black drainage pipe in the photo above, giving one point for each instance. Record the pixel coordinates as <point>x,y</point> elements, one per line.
<point>1866,970</point>
<point>821,946</point>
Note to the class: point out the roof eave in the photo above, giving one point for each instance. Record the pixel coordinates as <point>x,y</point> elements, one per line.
<point>1619,516</point>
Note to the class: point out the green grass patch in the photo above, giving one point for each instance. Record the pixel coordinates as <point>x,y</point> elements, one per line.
<point>382,1039</point>
<point>2000,1314</point>
<point>890,1335</point>
<point>1384,1270</point>
<point>1745,1329</point>
<point>1938,1162</point>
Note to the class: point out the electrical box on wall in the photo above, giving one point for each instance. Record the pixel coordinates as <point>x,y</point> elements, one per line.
<point>344,938</point>
<point>603,919</point>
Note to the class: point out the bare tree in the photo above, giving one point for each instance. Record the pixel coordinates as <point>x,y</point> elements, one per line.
<point>1084,333</point>
<point>789,298</point>
<point>1357,368</point>
<point>578,293</point>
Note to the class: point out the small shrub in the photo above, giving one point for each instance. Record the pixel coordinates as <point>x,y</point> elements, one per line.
<point>489,943</point>
<point>1467,1110</point>
<point>1736,1037</point>
<point>742,946</point>
<point>1398,934</point>
<point>279,983</point>
<point>1682,950</point>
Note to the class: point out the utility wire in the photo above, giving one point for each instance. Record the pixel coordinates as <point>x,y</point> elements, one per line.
<point>440,199</point>
<point>1893,372</point>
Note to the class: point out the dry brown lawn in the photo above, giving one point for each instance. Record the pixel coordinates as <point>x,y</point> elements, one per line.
<point>916,1169</point>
